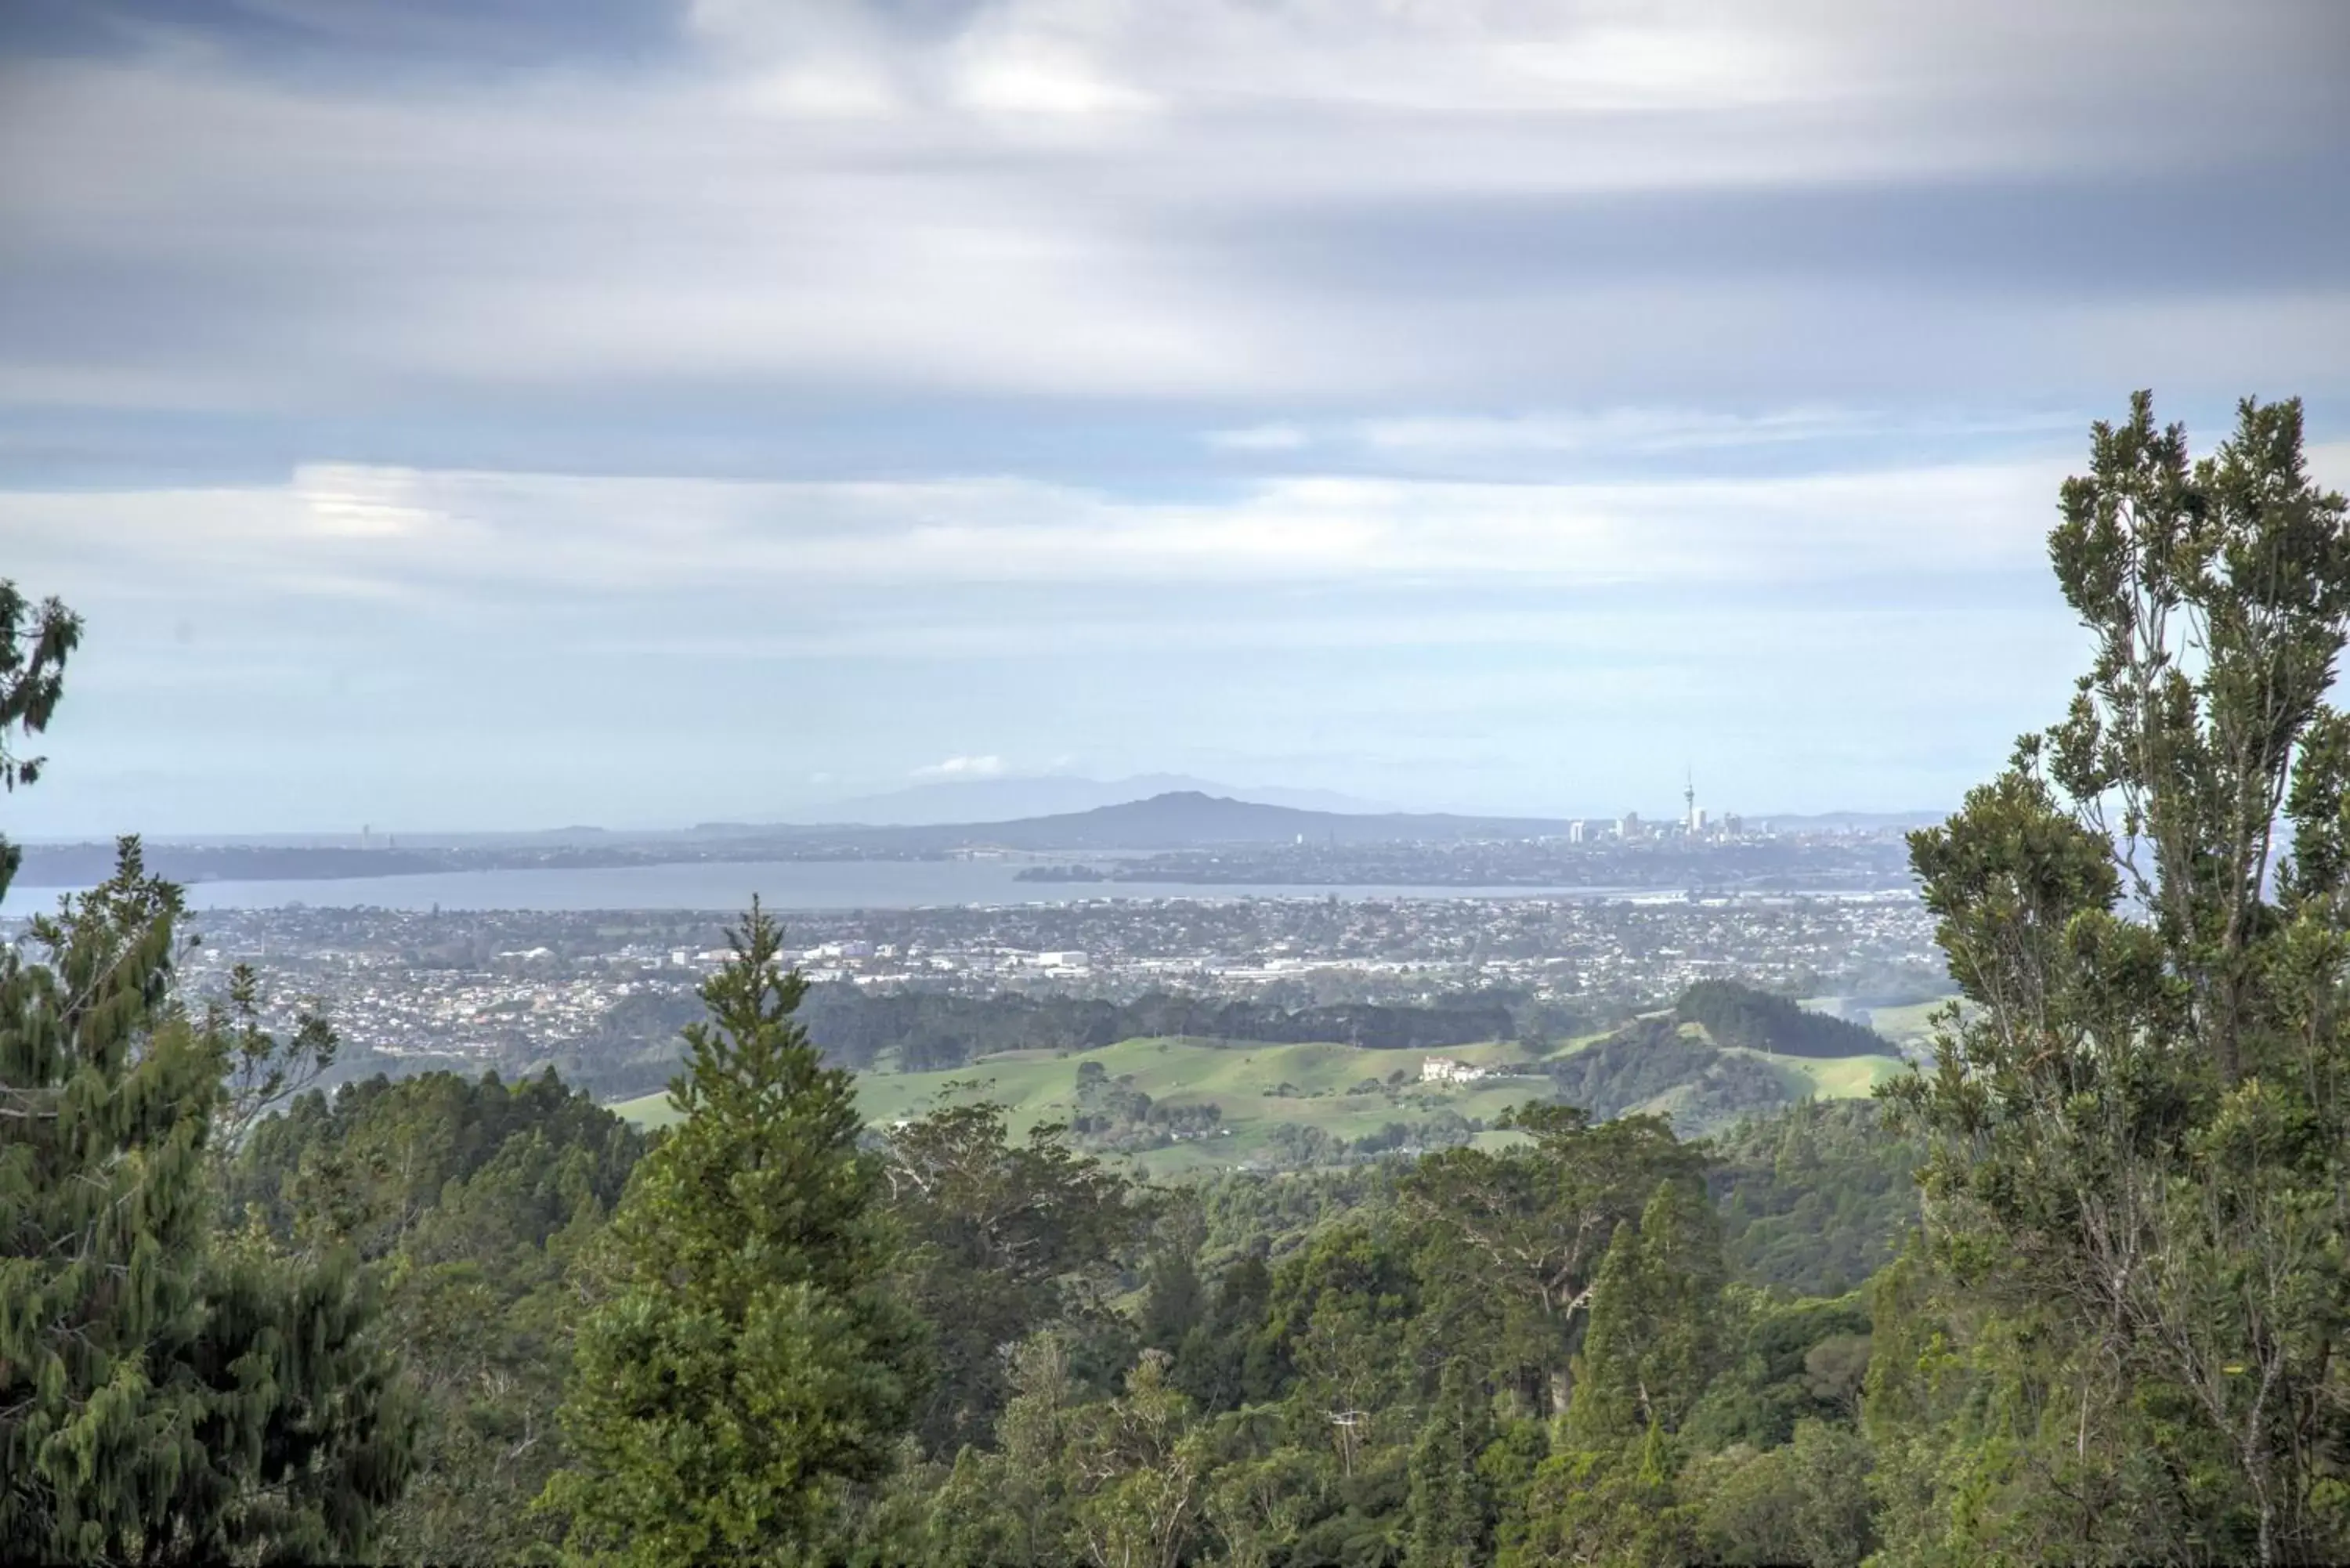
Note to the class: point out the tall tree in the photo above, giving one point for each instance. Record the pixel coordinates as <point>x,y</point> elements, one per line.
<point>475,1198</point>
<point>35,643</point>
<point>2143,1142</point>
<point>1452,1507</point>
<point>1656,1320</point>
<point>1001,1238</point>
<point>751,1357</point>
<point>1610,1494</point>
<point>166,1395</point>
<point>1512,1240</point>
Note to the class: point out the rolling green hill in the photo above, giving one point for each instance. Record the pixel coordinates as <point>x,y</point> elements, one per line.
<point>1341,1090</point>
<point>1911,1027</point>
<point>1837,1077</point>
<point>1256,1086</point>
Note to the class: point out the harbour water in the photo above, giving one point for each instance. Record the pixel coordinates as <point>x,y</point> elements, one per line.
<point>784,885</point>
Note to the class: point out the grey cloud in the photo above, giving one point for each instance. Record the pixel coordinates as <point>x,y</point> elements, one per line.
<point>186,235</point>
<point>2284,225</point>
<point>1874,264</point>
<point>340,35</point>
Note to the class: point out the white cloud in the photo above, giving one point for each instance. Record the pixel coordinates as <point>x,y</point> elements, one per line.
<point>1564,57</point>
<point>1091,197</point>
<point>1656,430</point>
<point>342,529</point>
<point>985,767</point>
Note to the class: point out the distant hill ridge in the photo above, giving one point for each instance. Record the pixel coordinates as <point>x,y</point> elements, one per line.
<point>1734,1014</point>
<point>1182,819</point>
<point>947,801</point>
<point>1174,820</point>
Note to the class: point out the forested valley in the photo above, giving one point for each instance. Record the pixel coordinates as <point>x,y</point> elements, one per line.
<point>2071,1294</point>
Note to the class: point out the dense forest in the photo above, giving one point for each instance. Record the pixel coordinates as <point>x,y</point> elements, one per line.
<point>2072,1294</point>
<point>1735,1015</point>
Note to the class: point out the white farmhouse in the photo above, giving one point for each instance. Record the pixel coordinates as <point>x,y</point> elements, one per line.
<point>1445,1069</point>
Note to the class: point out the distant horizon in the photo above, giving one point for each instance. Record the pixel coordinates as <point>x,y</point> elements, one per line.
<point>650,413</point>
<point>379,835</point>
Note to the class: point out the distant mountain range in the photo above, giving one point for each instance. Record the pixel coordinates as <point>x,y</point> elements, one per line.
<point>1170,820</point>
<point>1189,819</point>
<point>952,801</point>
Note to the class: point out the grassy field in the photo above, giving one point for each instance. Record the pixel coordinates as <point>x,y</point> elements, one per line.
<point>1908,1027</point>
<point>1833,1077</point>
<point>1257,1087</point>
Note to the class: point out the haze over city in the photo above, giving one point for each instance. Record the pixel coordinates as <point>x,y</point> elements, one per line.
<point>642,413</point>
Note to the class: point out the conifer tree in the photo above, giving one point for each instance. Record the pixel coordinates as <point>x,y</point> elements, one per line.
<point>1656,1320</point>
<point>1452,1506</point>
<point>1608,1495</point>
<point>35,644</point>
<point>163,1397</point>
<point>749,1358</point>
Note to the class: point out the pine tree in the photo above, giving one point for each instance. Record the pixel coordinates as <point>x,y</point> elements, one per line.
<point>1656,1320</point>
<point>35,644</point>
<point>749,1358</point>
<point>1610,1494</point>
<point>163,1397</point>
<point>1451,1505</point>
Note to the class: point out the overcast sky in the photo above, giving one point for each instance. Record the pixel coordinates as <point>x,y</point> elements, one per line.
<point>457,413</point>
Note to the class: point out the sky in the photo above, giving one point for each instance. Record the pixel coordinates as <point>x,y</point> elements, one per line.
<point>513,413</point>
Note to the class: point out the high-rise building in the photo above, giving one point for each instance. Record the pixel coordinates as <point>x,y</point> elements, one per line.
<point>1628,826</point>
<point>1574,831</point>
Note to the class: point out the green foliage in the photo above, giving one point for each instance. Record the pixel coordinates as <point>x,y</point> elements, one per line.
<point>1651,1065</point>
<point>1614,1505</point>
<point>1137,1466</point>
<point>1814,1200</point>
<point>1003,1238</point>
<point>36,641</point>
<point>2140,1140</point>
<point>166,1393</point>
<point>1453,1508</point>
<point>1737,1014</point>
<point>369,1163</point>
<point>1512,1241</point>
<point>1271,1214</point>
<point>1219,1362</point>
<point>1655,1338</point>
<point>749,1358</point>
<point>1785,1363</point>
<point>1332,1339</point>
<point>1807,1501</point>
<point>925,1030</point>
<point>476,1197</point>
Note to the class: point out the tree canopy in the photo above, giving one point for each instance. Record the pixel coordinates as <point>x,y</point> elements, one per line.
<point>170,1390</point>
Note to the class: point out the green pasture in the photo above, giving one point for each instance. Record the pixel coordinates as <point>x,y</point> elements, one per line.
<point>1834,1078</point>
<point>1256,1085</point>
<point>1910,1027</point>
